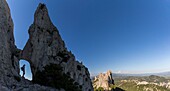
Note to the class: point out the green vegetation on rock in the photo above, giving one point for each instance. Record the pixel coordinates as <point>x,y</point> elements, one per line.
<point>99,89</point>
<point>53,76</point>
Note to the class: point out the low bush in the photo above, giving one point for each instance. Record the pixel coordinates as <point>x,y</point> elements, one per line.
<point>53,76</point>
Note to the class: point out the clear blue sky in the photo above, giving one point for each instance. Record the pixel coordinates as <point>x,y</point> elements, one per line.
<point>121,35</point>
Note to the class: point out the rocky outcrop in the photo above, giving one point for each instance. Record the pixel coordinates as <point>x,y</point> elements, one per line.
<point>46,47</point>
<point>9,67</point>
<point>44,41</point>
<point>46,52</point>
<point>103,80</point>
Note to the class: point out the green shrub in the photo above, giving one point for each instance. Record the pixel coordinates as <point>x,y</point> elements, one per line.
<point>99,89</point>
<point>112,86</point>
<point>53,76</point>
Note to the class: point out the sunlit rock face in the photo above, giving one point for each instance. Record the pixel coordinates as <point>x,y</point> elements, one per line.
<point>103,80</point>
<point>45,46</point>
<point>9,65</point>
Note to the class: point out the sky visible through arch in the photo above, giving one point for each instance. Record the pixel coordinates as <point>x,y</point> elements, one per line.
<point>125,36</point>
<point>28,74</point>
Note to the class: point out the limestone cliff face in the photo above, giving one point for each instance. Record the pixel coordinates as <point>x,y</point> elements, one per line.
<point>44,41</point>
<point>8,57</point>
<point>43,48</point>
<point>103,80</point>
<point>46,47</point>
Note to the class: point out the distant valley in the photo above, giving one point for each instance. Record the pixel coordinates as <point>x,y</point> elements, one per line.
<point>134,82</point>
<point>143,83</point>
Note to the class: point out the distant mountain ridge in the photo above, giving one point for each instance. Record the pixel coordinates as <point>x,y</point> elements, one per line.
<point>164,74</point>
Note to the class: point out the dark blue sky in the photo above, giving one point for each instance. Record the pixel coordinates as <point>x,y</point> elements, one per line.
<point>129,36</point>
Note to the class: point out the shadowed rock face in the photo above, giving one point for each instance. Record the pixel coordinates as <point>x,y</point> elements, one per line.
<point>43,48</point>
<point>44,41</point>
<point>8,57</point>
<point>46,47</point>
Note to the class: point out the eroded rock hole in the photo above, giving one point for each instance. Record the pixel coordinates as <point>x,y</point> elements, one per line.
<point>28,73</point>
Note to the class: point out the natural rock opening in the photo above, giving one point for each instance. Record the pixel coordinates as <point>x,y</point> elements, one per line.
<point>28,73</point>
<point>48,60</point>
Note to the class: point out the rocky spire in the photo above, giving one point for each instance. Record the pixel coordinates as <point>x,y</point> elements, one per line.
<point>103,80</point>
<point>43,39</point>
<point>41,17</point>
<point>45,47</point>
<point>46,52</point>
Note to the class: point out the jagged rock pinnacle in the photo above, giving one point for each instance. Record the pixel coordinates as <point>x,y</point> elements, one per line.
<point>41,17</point>
<point>44,48</point>
<point>44,40</point>
<point>103,80</point>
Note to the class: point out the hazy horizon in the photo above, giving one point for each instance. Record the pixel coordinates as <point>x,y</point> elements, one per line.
<point>122,36</point>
